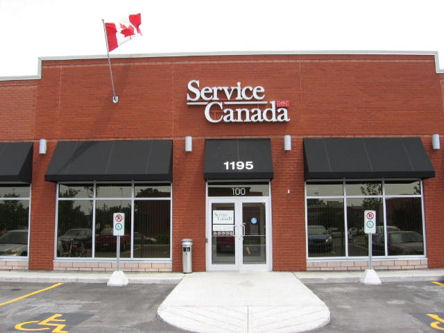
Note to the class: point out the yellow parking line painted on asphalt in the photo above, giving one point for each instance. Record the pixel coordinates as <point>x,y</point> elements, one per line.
<point>30,294</point>
<point>438,283</point>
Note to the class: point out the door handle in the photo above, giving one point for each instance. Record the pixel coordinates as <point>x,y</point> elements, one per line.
<point>243,229</point>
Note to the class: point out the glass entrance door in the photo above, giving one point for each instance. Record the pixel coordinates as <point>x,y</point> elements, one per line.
<point>237,234</point>
<point>254,239</point>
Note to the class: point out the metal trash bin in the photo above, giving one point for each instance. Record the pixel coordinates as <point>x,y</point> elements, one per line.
<point>187,255</point>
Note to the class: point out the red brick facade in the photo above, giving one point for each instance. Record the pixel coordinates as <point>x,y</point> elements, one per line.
<point>330,96</point>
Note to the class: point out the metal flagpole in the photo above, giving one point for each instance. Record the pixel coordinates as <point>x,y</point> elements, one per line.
<point>115,97</point>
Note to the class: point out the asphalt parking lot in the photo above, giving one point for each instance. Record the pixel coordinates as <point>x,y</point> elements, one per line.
<point>391,307</point>
<point>82,308</point>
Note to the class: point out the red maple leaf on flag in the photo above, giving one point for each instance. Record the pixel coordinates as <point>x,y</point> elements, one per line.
<point>127,31</point>
<point>123,31</point>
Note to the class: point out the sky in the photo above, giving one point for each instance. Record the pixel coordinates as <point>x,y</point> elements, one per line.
<point>61,28</point>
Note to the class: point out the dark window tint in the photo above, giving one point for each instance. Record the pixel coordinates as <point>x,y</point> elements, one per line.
<point>74,229</point>
<point>404,226</point>
<point>325,227</point>
<point>152,229</point>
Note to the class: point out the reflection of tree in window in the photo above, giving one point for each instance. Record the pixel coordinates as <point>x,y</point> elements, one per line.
<point>371,189</point>
<point>405,213</point>
<point>74,214</point>
<point>13,214</point>
<point>70,193</point>
<point>148,191</point>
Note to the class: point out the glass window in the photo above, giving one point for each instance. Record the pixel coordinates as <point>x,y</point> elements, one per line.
<point>403,188</point>
<point>105,241</point>
<point>152,229</point>
<point>149,191</point>
<point>399,220</point>
<point>113,191</point>
<point>74,229</point>
<point>238,189</point>
<point>324,189</point>
<point>85,220</point>
<point>363,189</point>
<point>325,227</point>
<point>75,191</point>
<point>404,226</point>
<point>357,239</point>
<point>14,215</point>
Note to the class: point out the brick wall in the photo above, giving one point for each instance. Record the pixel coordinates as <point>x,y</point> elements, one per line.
<point>361,265</point>
<point>330,95</point>
<point>110,266</point>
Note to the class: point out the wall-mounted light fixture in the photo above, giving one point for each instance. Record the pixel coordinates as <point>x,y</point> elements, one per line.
<point>287,142</point>
<point>188,144</point>
<point>42,146</point>
<point>435,141</point>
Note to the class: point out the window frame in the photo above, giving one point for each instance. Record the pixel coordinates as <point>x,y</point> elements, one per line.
<point>383,197</point>
<point>132,199</point>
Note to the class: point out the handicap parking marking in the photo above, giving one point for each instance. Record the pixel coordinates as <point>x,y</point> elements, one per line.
<point>432,320</point>
<point>31,294</point>
<point>54,323</point>
<point>438,283</point>
<point>438,323</point>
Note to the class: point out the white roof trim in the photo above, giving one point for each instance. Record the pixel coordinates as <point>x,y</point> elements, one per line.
<point>234,53</point>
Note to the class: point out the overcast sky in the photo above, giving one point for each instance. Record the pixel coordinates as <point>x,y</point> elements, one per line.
<point>51,28</point>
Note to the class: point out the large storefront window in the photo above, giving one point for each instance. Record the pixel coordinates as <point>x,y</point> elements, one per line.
<point>14,220</point>
<point>85,220</point>
<point>335,213</point>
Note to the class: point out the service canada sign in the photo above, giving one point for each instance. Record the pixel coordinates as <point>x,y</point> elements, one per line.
<point>237,104</point>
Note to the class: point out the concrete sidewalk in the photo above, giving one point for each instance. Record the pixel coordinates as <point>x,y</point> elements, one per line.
<point>87,277</point>
<point>243,302</point>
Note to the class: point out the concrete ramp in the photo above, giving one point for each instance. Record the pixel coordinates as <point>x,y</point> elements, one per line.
<point>243,302</point>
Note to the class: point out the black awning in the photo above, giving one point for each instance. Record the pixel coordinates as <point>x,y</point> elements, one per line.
<point>149,160</point>
<point>238,159</point>
<point>16,161</point>
<point>360,158</point>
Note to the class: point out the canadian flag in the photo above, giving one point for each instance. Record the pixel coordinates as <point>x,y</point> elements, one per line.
<point>121,32</point>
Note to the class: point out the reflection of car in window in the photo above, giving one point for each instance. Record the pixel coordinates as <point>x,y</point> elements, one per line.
<point>405,242</point>
<point>74,242</point>
<point>334,232</point>
<point>399,243</point>
<point>352,231</point>
<point>319,239</point>
<point>83,234</point>
<point>106,240</point>
<point>14,243</point>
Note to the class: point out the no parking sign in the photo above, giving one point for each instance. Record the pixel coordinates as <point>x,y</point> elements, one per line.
<point>119,224</point>
<point>370,221</point>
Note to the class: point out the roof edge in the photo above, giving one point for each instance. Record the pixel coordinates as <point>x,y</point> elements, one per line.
<point>222,53</point>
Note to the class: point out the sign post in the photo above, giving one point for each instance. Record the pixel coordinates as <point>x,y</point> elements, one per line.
<point>370,229</point>
<point>118,230</point>
<point>370,276</point>
<point>118,278</point>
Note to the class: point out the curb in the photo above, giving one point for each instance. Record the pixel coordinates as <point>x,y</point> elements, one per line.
<point>385,276</point>
<point>45,277</point>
